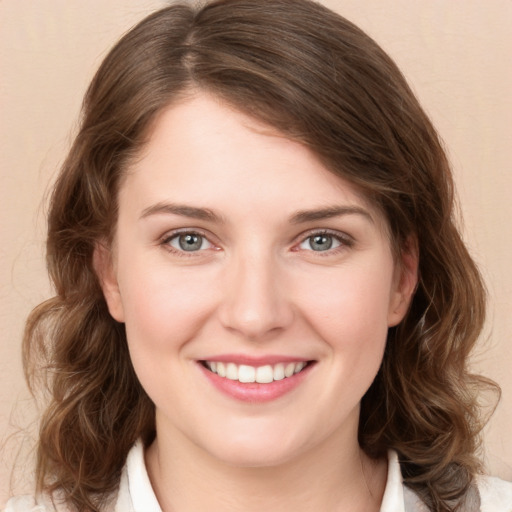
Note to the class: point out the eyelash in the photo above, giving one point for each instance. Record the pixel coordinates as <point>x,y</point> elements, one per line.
<point>344,240</point>
<point>166,242</point>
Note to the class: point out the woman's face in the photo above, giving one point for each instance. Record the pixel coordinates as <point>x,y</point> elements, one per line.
<point>256,287</point>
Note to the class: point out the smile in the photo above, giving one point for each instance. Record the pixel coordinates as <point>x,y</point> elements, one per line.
<point>261,374</point>
<point>255,381</point>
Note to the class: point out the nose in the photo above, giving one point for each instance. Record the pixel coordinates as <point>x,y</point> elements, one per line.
<point>256,304</point>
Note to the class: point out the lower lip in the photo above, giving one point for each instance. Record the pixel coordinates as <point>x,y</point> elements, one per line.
<point>254,391</point>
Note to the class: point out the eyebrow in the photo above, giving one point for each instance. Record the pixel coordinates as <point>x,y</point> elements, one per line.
<point>303,216</point>
<point>299,217</point>
<point>192,212</point>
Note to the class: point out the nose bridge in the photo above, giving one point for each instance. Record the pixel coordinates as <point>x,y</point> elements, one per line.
<point>255,301</point>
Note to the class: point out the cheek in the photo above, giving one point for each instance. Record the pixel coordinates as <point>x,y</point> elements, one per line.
<point>347,311</point>
<point>164,306</point>
<point>350,314</point>
<point>350,302</point>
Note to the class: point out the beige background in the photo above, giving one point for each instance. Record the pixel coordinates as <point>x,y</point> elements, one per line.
<point>456,54</point>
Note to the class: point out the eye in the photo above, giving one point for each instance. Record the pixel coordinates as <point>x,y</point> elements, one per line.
<point>188,242</point>
<point>321,242</point>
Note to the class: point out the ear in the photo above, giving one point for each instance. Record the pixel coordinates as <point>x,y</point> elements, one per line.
<point>104,267</point>
<point>406,280</point>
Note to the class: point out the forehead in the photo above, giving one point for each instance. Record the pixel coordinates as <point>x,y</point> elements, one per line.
<point>203,151</point>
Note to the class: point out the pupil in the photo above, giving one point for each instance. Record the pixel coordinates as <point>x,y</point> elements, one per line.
<point>190,242</point>
<point>321,243</point>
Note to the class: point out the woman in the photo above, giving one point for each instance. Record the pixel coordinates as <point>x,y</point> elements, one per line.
<point>262,299</point>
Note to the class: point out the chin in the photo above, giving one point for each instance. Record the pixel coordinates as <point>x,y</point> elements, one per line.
<point>254,458</point>
<point>257,451</point>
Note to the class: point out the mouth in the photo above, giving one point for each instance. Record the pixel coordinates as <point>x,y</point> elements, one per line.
<point>265,374</point>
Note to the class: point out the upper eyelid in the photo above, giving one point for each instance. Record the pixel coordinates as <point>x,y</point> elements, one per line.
<point>332,232</point>
<point>164,242</point>
<point>341,235</point>
<point>345,240</point>
<point>165,239</point>
<point>181,231</point>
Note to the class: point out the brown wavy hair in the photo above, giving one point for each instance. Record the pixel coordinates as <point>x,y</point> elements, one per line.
<point>319,80</point>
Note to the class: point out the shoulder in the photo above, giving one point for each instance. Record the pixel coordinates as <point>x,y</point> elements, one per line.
<point>495,494</point>
<point>47,503</point>
<point>33,504</point>
<point>134,487</point>
<point>488,494</point>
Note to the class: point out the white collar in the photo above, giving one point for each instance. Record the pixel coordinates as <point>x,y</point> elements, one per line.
<point>393,499</point>
<point>135,489</point>
<point>137,486</point>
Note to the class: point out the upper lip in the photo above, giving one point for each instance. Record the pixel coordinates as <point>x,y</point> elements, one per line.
<point>255,361</point>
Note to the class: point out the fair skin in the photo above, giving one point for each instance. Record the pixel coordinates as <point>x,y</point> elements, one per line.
<point>235,246</point>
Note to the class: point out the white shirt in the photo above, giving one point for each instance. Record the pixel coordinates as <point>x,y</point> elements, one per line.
<point>136,494</point>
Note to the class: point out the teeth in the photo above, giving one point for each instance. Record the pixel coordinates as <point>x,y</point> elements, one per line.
<point>232,371</point>
<point>221,370</point>
<point>246,373</point>
<point>262,374</point>
<point>289,370</point>
<point>279,371</point>
<point>299,367</point>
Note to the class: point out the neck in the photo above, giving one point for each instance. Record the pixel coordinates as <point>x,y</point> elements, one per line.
<point>185,479</point>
